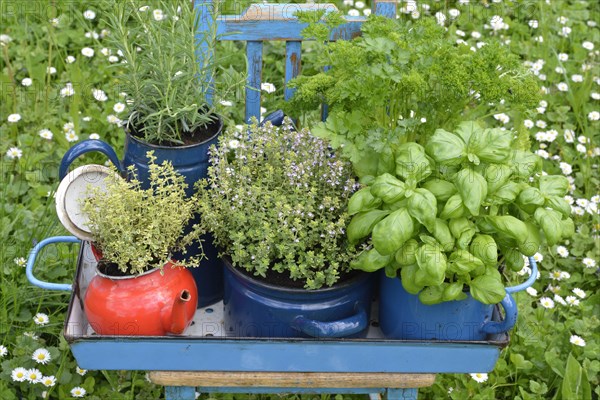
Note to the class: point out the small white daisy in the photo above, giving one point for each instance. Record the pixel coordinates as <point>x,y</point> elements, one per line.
<point>70,59</point>
<point>563,87</point>
<point>531,291</point>
<point>99,95</point>
<point>562,251</point>
<point>559,299</point>
<point>577,78</point>
<point>67,91</point>
<point>113,59</point>
<point>226,103</point>
<point>581,148</point>
<point>144,8</point>
<point>113,119</point>
<point>78,392</point>
<point>50,70</point>
<point>26,82</point>
<point>41,319</point>
<point>588,45</point>
<point>528,123</point>
<point>119,107</point>
<point>89,14</point>
<point>589,262</point>
<point>563,57</point>
<point>267,87</point>
<point>594,116</point>
<point>13,118</point>
<point>19,374</point>
<point>577,340</point>
<point>46,134</point>
<point>479,377</point>
<point>547,302</point>
<point>33,375</point>
<point>94,136</point>
<point>80,371</point>
<point>14,152</point>
<point>41,356</point>
<point>579,293</point>
<point>533,23</point>
<point>158,15</point>
<point>88,52</point>
<point>5,39</point>
<point>49,381</point>
<point>3,351</point>
<point>71,136</point>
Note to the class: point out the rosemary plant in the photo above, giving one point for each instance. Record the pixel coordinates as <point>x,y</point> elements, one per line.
<point>165,82</point>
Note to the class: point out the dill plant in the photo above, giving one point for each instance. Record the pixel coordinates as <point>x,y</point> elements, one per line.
<point>275,199</point>
<point>166,83</point>
<point>138,229</point>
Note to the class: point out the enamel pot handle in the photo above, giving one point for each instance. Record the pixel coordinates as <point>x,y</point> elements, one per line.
<point>332,329</point>
<point>88,146</point>
<point>510,319</point>
<point>33,255</point>
<point>510,306</point>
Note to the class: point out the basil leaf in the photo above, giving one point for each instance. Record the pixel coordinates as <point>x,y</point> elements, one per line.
<point>525,164</point>
<point>462,262</point>
<point>422,206</point>
<point>362,224</point>
<point>568,228</point>
<point>366,164</point>
<point>454,208</point>
<point>441,189</point>
<point>559,204</point>
<point>362,200</point>
<point>452,291</point>
<point>554,185</point>
<point>411,162</point>
<point>472,188</point>
<point>433,263</point>
<point>506,194</point>
<point>496,175</point>
<point>491,145</point>
<point>467,129</point>
<point>446,148</point>
<point>463,230</point>
<point>388,188</point>
<point>391,233</point>
<point>510,226</point>
<point>487,289</point>
<point>530,199</point>
<point>484,247</point>
<point>532,243</point>
<point>550,222</point>
<point>409,279</point>
<point>407,254</point>
<point>513,259</point>
<point>442,234</point>
<point>370,261</point>
<point>432,295</point>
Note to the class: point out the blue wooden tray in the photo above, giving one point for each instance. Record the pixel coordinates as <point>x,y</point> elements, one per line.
<point>206,346</point>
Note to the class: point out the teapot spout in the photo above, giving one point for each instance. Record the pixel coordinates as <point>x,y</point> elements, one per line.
<point>177,320</point>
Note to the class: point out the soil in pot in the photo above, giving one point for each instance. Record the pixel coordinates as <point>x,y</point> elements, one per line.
<point>188,138</point>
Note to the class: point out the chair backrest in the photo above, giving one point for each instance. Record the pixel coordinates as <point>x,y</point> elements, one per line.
<point>264,22</point>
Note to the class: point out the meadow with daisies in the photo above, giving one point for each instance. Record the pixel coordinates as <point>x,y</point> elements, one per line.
<point>60,85</point>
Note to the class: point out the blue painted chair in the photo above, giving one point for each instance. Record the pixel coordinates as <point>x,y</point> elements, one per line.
<point>209,361</point>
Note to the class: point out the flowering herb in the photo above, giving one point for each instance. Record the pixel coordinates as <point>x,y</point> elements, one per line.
<point>137,228</point>
<point>275,199</point>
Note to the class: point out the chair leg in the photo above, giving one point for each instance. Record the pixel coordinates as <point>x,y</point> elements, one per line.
<point>401,394</point>
<point>180,393</point>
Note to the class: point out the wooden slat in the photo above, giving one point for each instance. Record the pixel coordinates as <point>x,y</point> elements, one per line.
<point>205,50</point>
<point>254,51</point>
<point>230,27</point>
<point>387,8</point>
<point>293,54</point>
<point>290,379</point>
<point>281,12</point>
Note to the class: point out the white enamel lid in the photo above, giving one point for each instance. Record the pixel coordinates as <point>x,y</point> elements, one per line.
<point>71,192</point>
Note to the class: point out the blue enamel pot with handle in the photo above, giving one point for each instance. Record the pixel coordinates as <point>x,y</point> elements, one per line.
<point>257,309</point>
<point>403,316</point>
<point>191,161</point>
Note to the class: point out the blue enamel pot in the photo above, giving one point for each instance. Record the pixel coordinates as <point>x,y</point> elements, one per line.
<point>257,309</point>
<point>403,316</point>
<point>192,162</point>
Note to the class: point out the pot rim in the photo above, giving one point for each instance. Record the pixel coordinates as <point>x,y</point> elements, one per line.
<point>121,278</point>
<point>358,279</point>
<point>182,147</point>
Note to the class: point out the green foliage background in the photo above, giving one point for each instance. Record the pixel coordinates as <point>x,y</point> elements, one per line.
<point>540,363</point>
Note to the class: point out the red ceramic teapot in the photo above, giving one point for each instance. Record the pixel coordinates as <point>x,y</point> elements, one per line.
<point>149,304</point>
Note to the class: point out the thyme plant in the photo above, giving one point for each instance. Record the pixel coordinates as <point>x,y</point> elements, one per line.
<point>139,229</point>
<point>275,199</point>
<point>161,74</point>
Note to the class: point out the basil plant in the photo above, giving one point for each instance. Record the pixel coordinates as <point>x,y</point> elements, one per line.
<point>447,215</point>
